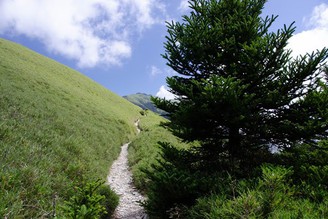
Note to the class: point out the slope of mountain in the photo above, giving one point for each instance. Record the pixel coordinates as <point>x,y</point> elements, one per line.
<point>58,129</point>
<point>144,101</point>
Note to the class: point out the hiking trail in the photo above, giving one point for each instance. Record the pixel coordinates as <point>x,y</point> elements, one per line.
<point>120,180</point>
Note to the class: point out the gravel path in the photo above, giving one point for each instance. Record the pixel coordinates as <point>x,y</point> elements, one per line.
<point>120,180</point>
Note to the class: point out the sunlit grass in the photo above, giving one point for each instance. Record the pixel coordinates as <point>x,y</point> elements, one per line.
<point>144,150</point>
<point>57,129</point>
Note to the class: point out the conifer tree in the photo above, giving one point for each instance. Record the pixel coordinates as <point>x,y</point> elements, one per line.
<point>239,91</point>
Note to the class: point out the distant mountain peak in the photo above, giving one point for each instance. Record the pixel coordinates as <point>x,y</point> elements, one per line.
<point>143,100</point>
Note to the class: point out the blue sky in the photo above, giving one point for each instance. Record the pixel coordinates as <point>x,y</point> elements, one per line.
<point>118,43</point>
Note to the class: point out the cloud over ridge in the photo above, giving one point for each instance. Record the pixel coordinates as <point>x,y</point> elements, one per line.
<point>164,93</point>
<point>316,37</point>
<point>89,32</point>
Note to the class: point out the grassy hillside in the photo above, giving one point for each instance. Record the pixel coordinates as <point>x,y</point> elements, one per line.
<point>144,101</point>
<point>58,128</point>
<point>145,150</point>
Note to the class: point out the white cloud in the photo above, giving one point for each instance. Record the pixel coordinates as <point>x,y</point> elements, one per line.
<point>319,16</point>
<point>316,37</point>
<point>184,6</point>
<point>164,93</point>
<point>91,32</point>
<point>155,71</point>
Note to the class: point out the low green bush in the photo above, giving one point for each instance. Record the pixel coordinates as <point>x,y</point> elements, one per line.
<point>310,165</point>
<point>174,183</point>
<point>272,196</point>
<point>91,201</point>
<point>110,202</point>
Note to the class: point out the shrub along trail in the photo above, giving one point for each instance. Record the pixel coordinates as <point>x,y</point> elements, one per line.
<point>120,180</point>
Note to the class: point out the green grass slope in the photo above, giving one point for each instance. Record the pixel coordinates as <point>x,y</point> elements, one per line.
<point>58,128</point>
<point>144,150</point>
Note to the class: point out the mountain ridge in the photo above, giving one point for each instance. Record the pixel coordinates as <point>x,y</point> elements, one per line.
<point>144,101</point>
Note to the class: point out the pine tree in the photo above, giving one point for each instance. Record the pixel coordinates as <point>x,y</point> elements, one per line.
<point>239,91</point>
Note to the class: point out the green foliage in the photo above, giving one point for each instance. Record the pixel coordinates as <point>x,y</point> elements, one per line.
<point>86,203</point>
<point>144,112</point>
<point>110,202</point>
<point>240,93</point>
<point>91,200</point>
<point>238,89</point>
<point>57,128</point>
<point>274,188</point>
<point>310,166</point>
<point>176,190</point>
<point>174,182</point>
<point>169,187</point>
<point>272,196</point>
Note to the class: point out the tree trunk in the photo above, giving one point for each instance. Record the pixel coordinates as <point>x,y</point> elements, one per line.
<point>234,146</point>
